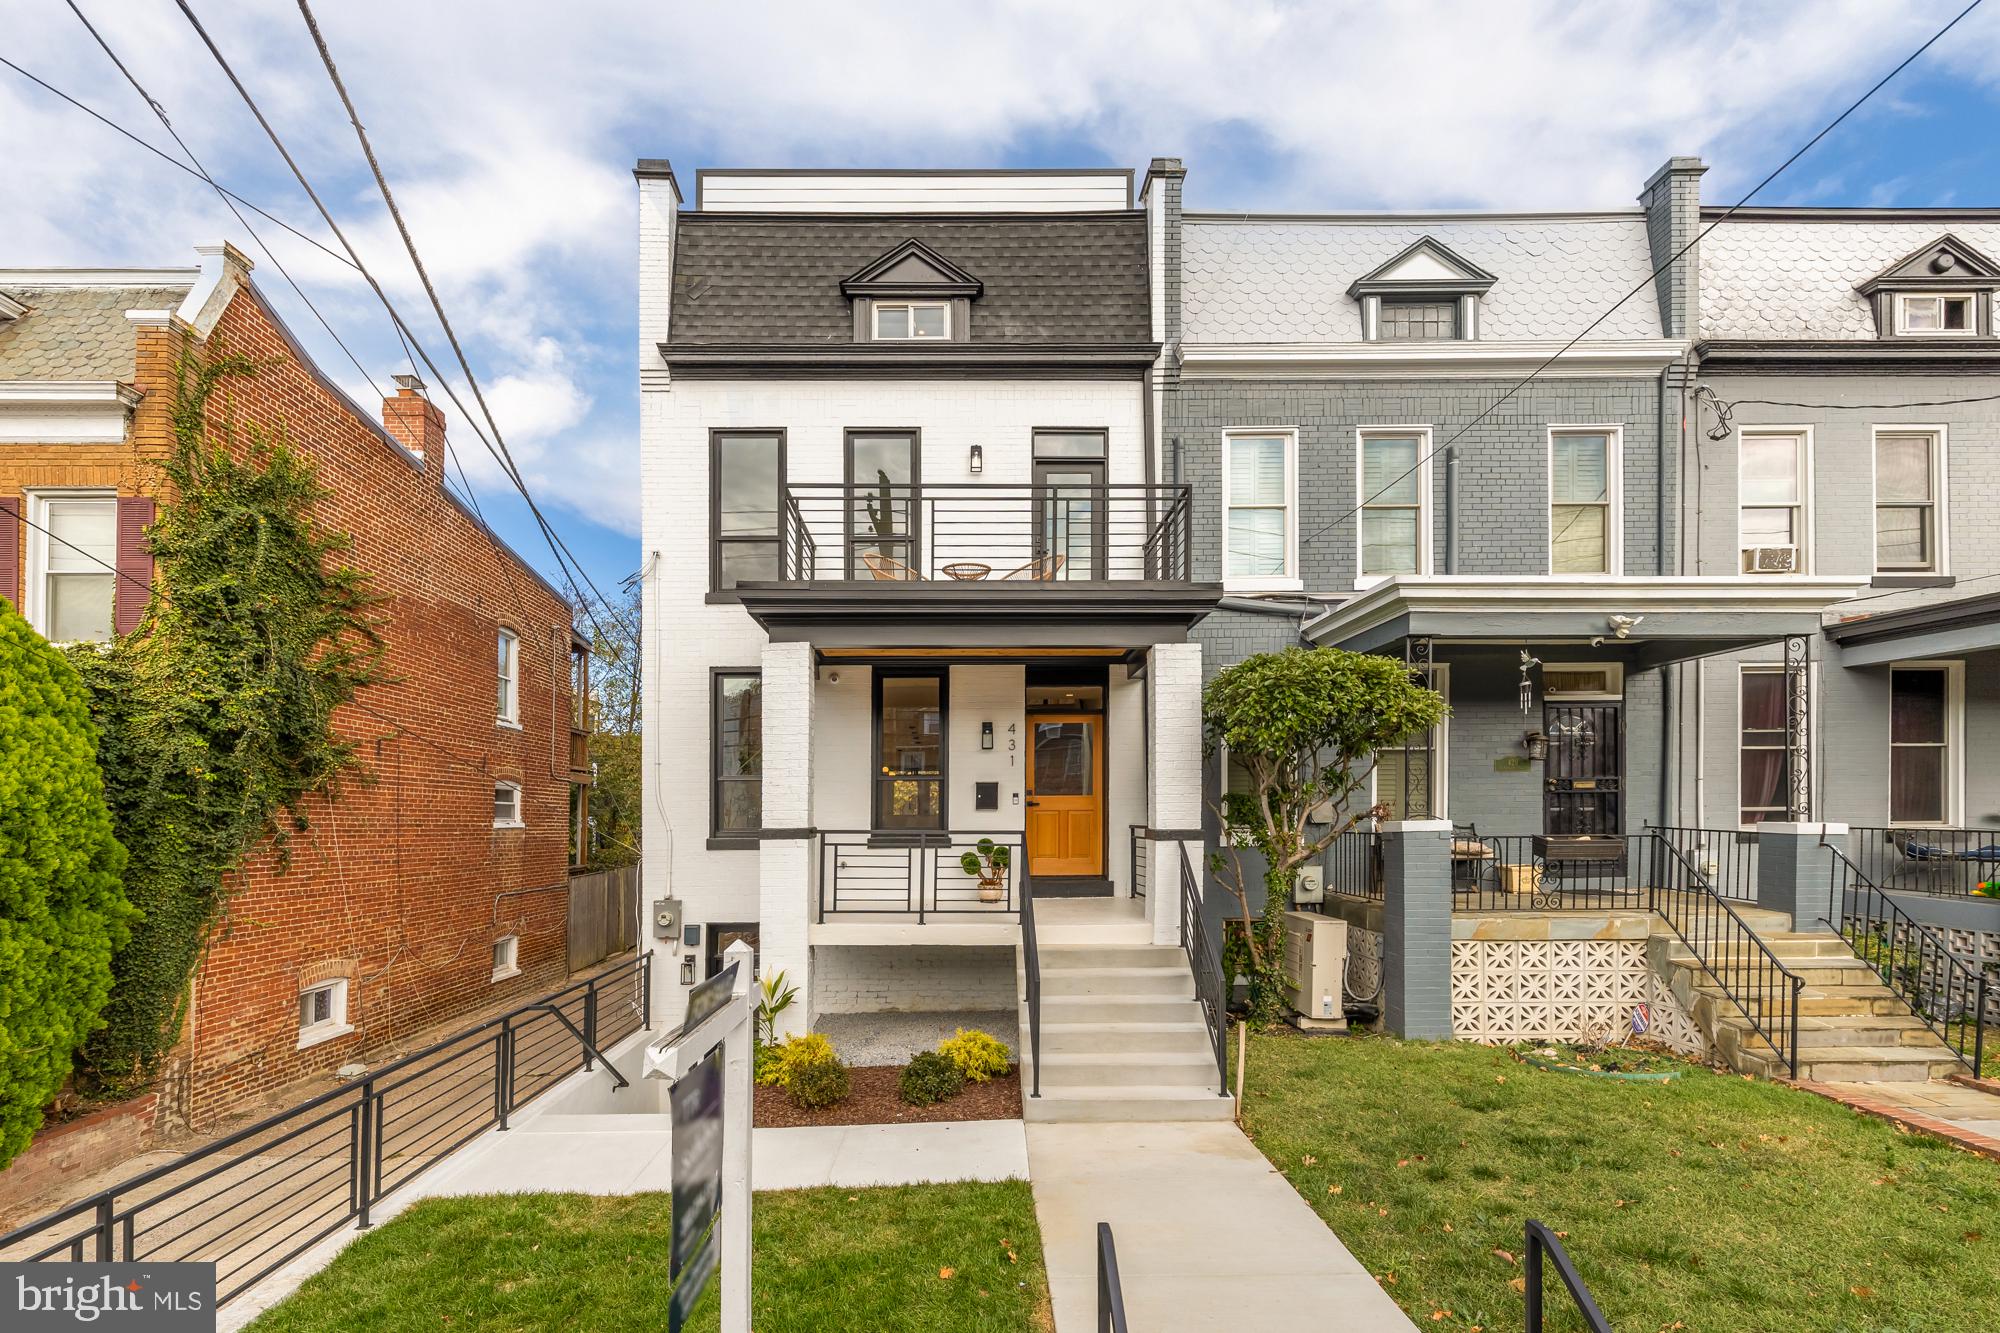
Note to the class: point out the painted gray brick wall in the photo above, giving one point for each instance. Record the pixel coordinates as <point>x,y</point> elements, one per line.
<point>1672,200</point>
<point>1503,520</point>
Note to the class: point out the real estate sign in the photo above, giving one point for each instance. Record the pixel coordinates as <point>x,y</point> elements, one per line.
<point>696,1102</point>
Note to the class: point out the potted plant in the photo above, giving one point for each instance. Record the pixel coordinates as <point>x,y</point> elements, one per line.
<point>989,861</point>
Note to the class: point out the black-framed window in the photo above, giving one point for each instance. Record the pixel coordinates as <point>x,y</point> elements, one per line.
<point>909,751</point>
<point>746,498</point>
<point>884,470</point>
<point>736,729</point>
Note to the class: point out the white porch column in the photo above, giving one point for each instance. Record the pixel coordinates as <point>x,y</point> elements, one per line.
<point>784,858</point>
<point>1173,786</point>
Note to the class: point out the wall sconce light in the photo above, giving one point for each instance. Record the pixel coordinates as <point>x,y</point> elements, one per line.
<point>1537,745</point>
<point>985,731</point>
<point>687,969</point>
<point>978,463</point>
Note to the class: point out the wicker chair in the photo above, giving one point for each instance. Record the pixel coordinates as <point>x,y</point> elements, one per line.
<point>888,569</point>
<point>1042,569</point>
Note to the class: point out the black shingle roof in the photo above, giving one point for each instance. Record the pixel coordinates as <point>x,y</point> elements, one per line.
<point>775,280</point>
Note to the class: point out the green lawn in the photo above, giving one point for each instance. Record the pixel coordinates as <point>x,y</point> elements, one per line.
<point>912,1257</point>
<point>1713,1201</point>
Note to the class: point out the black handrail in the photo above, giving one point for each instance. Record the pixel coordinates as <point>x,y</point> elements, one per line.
<point>1206,965</point>
<point>1914,960</point>
<point>1755,980</point>
<point>1141,857</point>
<point>915,873</point>
<point>255,1199</point>
<point>1541,1240</point>
<point>1032,964</point>
<point>1110,1294</point>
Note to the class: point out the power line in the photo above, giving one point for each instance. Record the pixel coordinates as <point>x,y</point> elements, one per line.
<point>1649,278</point>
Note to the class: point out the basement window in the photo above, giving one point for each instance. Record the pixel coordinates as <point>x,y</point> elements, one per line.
<point>506,957</point>
<point>507,805</point>
<point>323,1013</point>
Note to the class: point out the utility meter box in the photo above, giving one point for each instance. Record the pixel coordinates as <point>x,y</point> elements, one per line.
<point>1310,886</point>
<point>1315,964</point>
<point>666,918</point>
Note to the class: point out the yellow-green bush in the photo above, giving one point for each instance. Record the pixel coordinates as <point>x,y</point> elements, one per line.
<point>781,1061</point>
<point>978,1055</point>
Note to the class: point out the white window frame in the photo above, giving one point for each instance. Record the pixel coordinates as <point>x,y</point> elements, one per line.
<point>875,309</point>
<point>35,570</point>
<point>336,1024</point>
<point>1806,508</point>
<point>1440,680</point>
<point>507,691</point>
<point>1940,497</point>
<point>1954,744</point>
<point>1290,580</point>
<point>1971,329</point>
<point>1614,498</point>
<point>520,819</point>
<point>1425,518</point>
<point>506,957</point>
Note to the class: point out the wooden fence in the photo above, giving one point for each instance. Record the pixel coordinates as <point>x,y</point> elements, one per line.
<point>603,915</point>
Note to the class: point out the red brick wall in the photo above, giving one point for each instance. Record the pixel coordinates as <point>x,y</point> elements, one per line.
<point>401,884</point>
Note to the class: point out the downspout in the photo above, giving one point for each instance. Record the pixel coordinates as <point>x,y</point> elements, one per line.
<point>1451,510</point>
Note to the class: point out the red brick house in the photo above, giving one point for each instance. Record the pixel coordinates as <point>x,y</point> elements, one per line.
<point>438,886</point>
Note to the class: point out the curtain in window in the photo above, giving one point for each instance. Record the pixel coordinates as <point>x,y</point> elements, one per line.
<point>1765,764</point>
<point>1918,746</point>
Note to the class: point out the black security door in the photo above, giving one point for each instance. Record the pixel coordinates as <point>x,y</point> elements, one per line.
<point>1586,769</point>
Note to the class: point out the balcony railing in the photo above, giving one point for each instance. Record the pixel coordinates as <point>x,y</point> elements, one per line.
<point>984,532</point>
<point>1948,862</point>
<point>915,875</point>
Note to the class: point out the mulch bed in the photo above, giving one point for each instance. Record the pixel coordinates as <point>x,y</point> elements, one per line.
<point>875,1100</point>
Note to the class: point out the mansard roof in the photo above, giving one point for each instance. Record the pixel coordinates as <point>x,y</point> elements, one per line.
<point>1944,262</point>
<point>911,269</point>
<point>1426,267</point>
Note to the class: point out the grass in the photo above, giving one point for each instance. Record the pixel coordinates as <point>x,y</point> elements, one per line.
<point>1706,1203</point>
<point>925,1257</point>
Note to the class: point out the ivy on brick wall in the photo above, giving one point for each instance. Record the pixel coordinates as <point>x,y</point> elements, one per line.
<point>216,714</point>
<point>61,910</point>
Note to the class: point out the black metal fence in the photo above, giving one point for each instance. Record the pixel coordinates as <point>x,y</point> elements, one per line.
<point>918,875</point>
<point>1354,865</point>
<point>256,1199</point>
<point>1542,1244</point>
<point>1522,872</point>
<point>1950,862</point>
<point>1210,987</point>
<point>1725,858</point>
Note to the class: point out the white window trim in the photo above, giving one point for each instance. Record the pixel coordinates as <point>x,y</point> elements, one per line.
<point>512,716</point>
<point>1940,498</point>
<point>1954,741</point>
<point>1971,329</point>
<point>1616,676</point>
<point>1425,519</point>
<point>1289,581</point>
<point>875,309</point>
<point>512,967</point>
<point>519,820</point>
<point>1614,500</point>
<point>1441,753</point>
<point>34,571</point>
<point>337,1025</point>
<point>1807,508</point>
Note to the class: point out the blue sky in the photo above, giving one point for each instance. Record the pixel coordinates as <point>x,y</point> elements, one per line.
<point>509,130</point>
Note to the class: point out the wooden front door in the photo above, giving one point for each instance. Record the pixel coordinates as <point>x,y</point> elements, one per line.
<point>1065,830</point>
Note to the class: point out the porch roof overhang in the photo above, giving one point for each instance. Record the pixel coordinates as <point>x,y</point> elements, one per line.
<point>1937,629</point>
<point>1663,620</point>
<point>978,615</point>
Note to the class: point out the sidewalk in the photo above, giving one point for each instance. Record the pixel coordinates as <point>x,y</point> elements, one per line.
<point>1965,1116</point>
<point>1208,1235</point>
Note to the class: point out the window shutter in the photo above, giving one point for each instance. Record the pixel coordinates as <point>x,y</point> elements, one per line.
<point>135,562</point>
<point>10,549</point>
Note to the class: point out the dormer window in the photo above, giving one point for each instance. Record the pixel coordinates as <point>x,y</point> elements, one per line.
<point>1424,294</point>
<point>1943,290</point>
<point>1935,316</point>
<point>912,321</point>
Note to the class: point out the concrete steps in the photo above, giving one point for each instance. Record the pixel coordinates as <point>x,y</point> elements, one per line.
<point>1123,1037</point>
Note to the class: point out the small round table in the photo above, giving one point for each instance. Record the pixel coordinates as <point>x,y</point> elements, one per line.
<point>967,570</point>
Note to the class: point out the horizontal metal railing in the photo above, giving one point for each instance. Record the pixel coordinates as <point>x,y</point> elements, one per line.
<point>255,1199</point>
<point>920,875</point>
<point>984,531</point>
<point>1956,997</point>
<point>1949,862</point>
<point>1142,851</point>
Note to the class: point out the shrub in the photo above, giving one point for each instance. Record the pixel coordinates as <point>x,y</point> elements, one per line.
<point>929,1078</point>
<point>977,1055</point>
<point>818,1084</point>
<point>777,1064</point>
<point>767,1065</point>
<point>62,909</point>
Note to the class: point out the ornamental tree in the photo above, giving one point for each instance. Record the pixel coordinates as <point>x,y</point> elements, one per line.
<point>62,907</point>
<point>1304,725</point>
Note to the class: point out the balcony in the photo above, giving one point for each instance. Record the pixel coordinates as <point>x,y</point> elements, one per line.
<point>984,532</point>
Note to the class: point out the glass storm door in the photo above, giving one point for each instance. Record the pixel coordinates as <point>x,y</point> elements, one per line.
<point>1586,769</point>
<point>1065,825</point>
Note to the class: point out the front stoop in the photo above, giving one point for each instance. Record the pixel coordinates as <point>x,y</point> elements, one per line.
<point>1122,1034</point>
<point>1852,1028</point>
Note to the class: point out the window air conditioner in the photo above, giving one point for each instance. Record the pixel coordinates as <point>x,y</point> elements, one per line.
<point>1770,559</point>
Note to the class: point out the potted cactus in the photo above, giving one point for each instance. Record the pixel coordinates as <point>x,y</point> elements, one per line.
<point>989,861</point>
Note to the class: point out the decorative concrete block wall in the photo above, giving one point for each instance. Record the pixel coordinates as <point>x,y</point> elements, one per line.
<point>1568,977</point>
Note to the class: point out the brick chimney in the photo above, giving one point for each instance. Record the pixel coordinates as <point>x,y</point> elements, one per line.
<point>416,423</point>
<point>1672,200</point>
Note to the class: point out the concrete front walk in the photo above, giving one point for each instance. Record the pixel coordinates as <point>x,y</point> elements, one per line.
<point>1967,1116</point>
<point>1209,1235</point>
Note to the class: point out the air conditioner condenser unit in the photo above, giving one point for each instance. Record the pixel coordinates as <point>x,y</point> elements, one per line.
<point>1315,963</point>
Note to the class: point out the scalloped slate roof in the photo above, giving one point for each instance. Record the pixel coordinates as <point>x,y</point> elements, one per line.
<point>774,280</point>
<point>77,333</point>
<point>1796,279</point>
<point>1285,280</point>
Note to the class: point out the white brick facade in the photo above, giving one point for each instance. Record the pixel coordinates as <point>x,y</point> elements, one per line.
<point>911,978</point>
<point>1175,780</point>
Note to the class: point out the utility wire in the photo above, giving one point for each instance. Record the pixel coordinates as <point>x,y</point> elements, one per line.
<point>1649,278</point>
